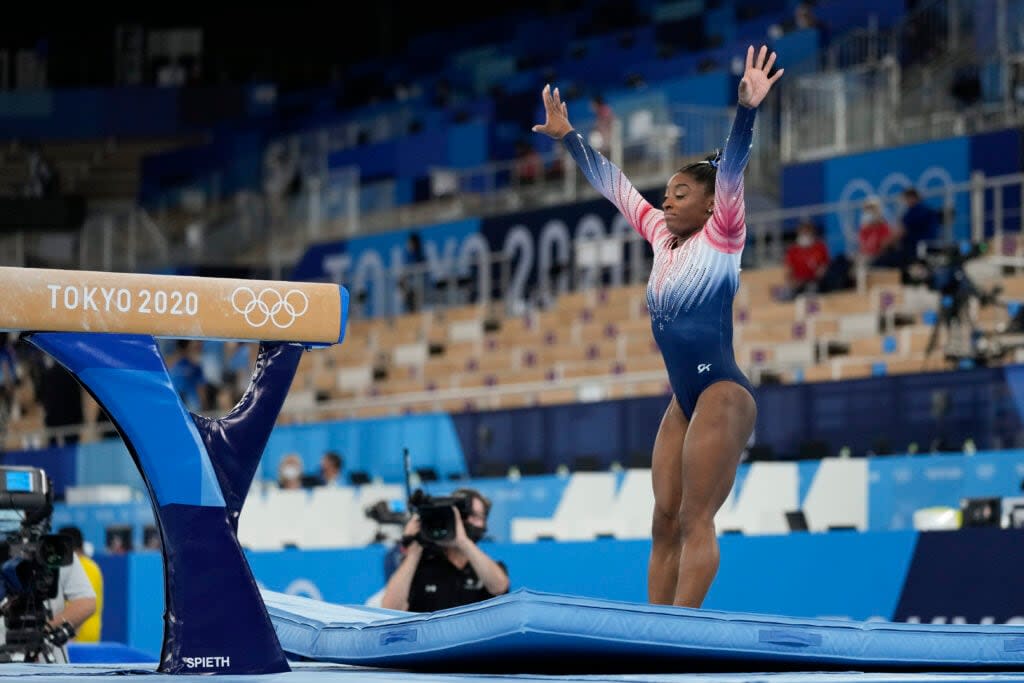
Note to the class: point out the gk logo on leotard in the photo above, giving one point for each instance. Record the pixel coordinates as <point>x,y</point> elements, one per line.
<point>703,367</point>
<point>270,306</point>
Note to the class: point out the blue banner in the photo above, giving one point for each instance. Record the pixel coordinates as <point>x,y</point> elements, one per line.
<point>372,267</point>
<point>518,256</point>
<point>929,167</point>
<point>900,485</point>
<point>932,167</point>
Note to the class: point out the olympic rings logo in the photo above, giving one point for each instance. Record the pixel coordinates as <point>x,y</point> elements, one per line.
<point>270,306</point>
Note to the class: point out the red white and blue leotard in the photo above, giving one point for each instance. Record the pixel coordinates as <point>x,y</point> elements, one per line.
<point>691,287</point>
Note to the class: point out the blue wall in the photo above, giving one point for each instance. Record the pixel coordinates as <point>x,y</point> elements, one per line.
<point>897,486</point>
<point>858,414</point>
<point>871,574</point>
<point>89,113</point>
<point>876,575</point>
<point>77,113</point>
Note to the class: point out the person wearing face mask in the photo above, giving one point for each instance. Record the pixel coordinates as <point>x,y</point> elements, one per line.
<point>289,472</point>
<point>457,572</point>
<point>875,235</point>
<point>807,260</point>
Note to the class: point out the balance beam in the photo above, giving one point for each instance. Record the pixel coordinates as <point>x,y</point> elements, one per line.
<point>102,328</point>
<point>171,306</point>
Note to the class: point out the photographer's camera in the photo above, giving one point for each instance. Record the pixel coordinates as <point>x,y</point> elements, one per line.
<point>437,516</point>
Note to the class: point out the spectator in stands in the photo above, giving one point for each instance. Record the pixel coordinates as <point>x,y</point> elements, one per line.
<point>330,469</point>
<point>604,125</point>
<point>211,360</point>
<point>172,74</point>
<point>289,472</point>
<point>807,260</point>
<point>1017,83</point>
<point>966,87</point>
<point>119,539</point>
<point>698,239</point>
<point>528,165</point>
<point>875,235</point>
<point>61,397</point>
<point>187,374</point>
<point>413,284</point>
<point>920,223</point>
<point>443,95</point>
<point>237,369</point>
<point>42,178</point>
<point>803,18</point>
<point>91,628</point>
<point>281,178</point>
<point>438,576</point>
<point>8,376</point>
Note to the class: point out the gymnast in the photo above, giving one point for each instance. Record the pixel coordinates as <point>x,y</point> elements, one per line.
<point>697,238</point>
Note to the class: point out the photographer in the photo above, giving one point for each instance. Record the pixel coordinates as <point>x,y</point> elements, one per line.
<point>449,573</point>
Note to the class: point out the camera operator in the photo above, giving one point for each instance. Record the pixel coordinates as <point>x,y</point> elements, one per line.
<point>944,272</point>
<point>435,576</point>
<point>74,603</point>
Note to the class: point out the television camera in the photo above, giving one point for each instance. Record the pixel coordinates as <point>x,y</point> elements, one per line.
<point>31,561</point>
<point>436,513</point>
<point>943,270</point>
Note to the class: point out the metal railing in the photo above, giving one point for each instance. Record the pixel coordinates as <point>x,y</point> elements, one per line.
<point>121,242</point>
<point>980,209</point>
<point>877,89</point>
<point>126,240</point>
<point>833,113</point>
<point>865,106</point>
<point>931,29</point>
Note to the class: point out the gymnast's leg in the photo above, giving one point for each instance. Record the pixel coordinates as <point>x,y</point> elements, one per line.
<point>666,476</point>
<point>719,429</point>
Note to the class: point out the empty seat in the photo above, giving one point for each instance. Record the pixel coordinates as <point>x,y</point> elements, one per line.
<point>585,501</point>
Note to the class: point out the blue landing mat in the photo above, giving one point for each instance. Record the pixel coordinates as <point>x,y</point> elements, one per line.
<point>541,633</point>
<point>339,673</point>
<point>105,653</point>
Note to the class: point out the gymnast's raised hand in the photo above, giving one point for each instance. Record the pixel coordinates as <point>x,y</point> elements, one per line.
<point>756,83</point>
<point>556,115</point>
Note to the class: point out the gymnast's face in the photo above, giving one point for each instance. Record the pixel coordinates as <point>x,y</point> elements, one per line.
<point>687,205</point>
